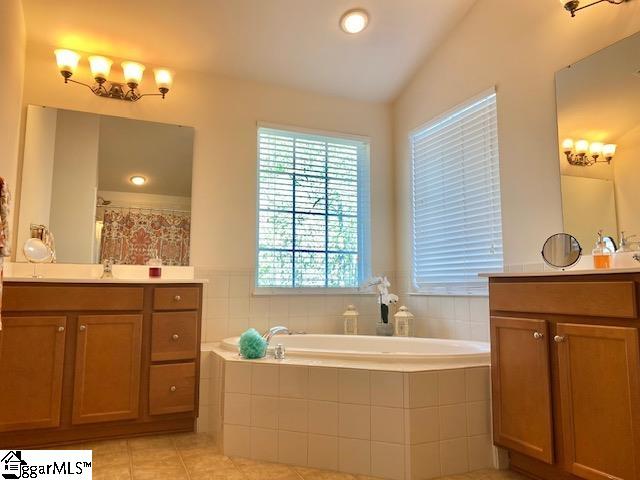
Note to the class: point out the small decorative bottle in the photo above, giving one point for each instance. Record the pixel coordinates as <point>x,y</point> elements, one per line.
<point>350,317</point>
<point>404,322</point>
<point>601,253</point>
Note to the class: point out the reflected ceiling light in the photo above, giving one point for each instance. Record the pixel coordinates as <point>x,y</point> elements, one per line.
<point>354,21</point>
<point>67,61</point>
<point>138,180</point>
<point>572,6</point>
<point>576,152</point>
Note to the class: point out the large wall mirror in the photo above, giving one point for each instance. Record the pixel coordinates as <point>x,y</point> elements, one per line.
<point>598,102</point>
<point>107,188</point>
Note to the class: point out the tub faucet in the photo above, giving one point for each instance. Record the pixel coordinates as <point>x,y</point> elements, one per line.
<point>273,331</point>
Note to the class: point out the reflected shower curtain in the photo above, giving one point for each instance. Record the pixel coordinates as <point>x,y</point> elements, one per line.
<point>132,237</point>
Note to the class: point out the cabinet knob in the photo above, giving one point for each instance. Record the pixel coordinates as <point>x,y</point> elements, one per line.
<point>538,335</point>
<point>83,328</point>
<point>61,329</point>
<point>175,336</point>
<point>173,388</point>
<point>177,298</point>
<point>559,338</point>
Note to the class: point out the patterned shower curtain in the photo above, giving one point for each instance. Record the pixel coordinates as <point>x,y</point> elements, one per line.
<point>132,237</point>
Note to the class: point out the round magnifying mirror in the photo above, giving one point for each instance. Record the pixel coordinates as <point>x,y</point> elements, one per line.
<point>561,250</point>
<point>36,251</point>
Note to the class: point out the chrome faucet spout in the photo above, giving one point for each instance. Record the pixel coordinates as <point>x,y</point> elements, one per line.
<point>273,331</point>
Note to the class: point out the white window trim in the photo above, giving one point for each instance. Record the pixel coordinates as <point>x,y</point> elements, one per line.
<point>414,288</point>
<point>364,217</point>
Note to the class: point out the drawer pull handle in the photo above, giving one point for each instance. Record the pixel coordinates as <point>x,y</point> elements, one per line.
<point>173,388</point>
<point>538,335</point>
<point>83,328</point>
<point>175,337</point>
<point>177,298</point>
<point>61,329</point>
<point>559,338</point>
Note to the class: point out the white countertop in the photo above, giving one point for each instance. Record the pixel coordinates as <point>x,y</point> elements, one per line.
<point>104,280</point>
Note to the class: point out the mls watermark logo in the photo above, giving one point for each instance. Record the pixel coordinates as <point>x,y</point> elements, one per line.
<point>46,464</point>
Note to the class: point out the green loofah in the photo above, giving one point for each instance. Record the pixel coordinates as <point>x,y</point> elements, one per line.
<point>252,345</point>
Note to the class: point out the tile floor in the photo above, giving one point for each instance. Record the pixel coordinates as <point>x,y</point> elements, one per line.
<point>193,456</point>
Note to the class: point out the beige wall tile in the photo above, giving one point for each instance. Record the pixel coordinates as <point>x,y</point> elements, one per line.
<point>323,417</point>
<point>425,461</point>
<point>292,448</point>
<point>478,384</point>
<point>353,386</point>
<point>237,441</point>
<point>387,460</point>
<point>451,386</point>
<point>237,408</point>
<point>237,377</point>
<point>323,452</point>
<point>387,424</point>
<point>354,456</point>
<point>479,418</point>
<point>294,381</point>
<point>453,421</point>
<point>292,414</point>
<point>422,425</point>
<point>264,411</point>
<point>354,421</point>
<point>423,389</point>
<point>323,384</point>
<point>454,456</point>
<point>480,452</point>
<point>264,444</point>
<point>264,380</point>
<point>387,389</point>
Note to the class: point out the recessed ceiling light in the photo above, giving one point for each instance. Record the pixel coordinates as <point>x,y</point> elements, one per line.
<point>354,21</point>
<point>138,180</point>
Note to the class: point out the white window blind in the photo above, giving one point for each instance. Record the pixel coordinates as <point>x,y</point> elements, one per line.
<point>457,227</point>
<point>313,210</point>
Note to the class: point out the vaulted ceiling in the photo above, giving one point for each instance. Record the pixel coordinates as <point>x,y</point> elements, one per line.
<point>293,43</point>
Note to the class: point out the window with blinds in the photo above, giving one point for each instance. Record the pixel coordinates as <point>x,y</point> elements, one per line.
<point>457,227</point>
<point>313,210</point>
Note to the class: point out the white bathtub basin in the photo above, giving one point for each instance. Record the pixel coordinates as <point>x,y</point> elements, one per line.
<point>379,349</point>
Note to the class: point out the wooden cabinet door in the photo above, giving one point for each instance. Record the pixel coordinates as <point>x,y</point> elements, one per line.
<point>31,366</point>
<point>107,370</point>
<point>521,386</point>
<point>600,400</point>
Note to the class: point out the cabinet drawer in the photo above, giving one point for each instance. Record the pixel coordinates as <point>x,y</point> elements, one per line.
<point>16,298</point>
<point>176,298</point>
<point>172,388</point>
<point>174,336</point>
<point>597,299</point>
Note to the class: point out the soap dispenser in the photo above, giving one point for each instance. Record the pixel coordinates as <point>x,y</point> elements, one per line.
<point>601,253</point>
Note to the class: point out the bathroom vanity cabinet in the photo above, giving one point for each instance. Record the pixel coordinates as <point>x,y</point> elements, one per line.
<point>566,374</point>
<point>93,361</point>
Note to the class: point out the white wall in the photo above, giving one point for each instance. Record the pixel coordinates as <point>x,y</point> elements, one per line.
<point>74,187</point>
<point>12,58</point>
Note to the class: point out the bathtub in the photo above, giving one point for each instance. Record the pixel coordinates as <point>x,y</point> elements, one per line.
<point>363,348</point>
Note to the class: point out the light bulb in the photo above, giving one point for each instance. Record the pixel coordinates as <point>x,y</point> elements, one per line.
<point>67,61</point>
<point>609,150</point>
<point>354,21</point>
<point>582,146</point>
<point>595,149</point>
<point>567,145</point>
<point>132,73</point>
<point>164,78</point>
<point>100,67</point>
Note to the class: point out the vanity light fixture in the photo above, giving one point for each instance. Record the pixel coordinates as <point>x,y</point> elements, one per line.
<point>100,69</point>
<point>572,6</point>
<point>354,21</point>
<point>584,154</point>
<point>138,180</point>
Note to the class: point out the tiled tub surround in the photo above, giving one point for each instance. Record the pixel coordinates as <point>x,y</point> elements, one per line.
<point>387,424</point>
